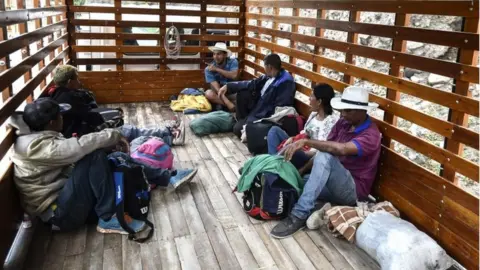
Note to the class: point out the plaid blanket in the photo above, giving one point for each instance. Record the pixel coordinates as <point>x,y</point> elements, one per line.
<point>343,221</point>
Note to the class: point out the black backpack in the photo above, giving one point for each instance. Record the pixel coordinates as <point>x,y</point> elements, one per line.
<point>132,195</point>
<point>269,197</point>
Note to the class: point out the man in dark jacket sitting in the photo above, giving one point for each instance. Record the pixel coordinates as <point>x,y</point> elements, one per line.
<point>258,98</point>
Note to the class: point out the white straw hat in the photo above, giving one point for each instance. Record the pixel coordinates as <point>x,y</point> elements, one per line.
<point>220,46</point>
<point>353,97</point>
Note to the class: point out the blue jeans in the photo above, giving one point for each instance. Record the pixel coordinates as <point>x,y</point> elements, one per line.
<point>131,133</point>
<point>275,137</point>
<point>329,181</point>
<point>88,193</point>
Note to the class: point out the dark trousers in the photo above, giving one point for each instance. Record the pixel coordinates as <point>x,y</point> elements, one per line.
<point>245,103</point>
<point>88,193</point>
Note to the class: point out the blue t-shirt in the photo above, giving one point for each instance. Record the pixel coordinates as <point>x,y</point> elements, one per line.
<point>231,65</point>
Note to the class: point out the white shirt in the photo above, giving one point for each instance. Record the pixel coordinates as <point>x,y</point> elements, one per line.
<point>267,84</point>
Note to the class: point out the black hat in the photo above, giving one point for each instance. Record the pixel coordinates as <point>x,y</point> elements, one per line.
<point>43,110</point>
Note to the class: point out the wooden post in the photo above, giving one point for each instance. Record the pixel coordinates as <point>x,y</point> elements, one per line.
<point>467,57</point>
<point>118,30</point>
<point>162,31</point>
<point>399,45</point>
<point>25,51</point>
<point>242,34</point>
<point>40,43</point>
<point>203,32</point>
<point>71,34</point>
<point>351,38</point>
<point>257,47</point>
<point>319,32</point>
<point>5,62</point>
<point>293,44</point>
<point>50,37</point>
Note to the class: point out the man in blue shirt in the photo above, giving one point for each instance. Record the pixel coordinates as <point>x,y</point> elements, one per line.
<point>221,71</point>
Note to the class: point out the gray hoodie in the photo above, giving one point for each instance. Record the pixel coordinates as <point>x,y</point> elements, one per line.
<point>44,160</point>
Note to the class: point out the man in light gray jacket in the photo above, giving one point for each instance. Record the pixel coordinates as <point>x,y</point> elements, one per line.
<point>64,181</point>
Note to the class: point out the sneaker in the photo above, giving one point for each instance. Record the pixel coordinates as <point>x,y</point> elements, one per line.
<point>113,226</point>
<point>316,220</point>
<point>287,227</point>
<point>182,177</point>
<point>179,133</point>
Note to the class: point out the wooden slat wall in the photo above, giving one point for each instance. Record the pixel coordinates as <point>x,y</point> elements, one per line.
<point>196,54</point>
<point>46,56</point>
<point>434,203</point>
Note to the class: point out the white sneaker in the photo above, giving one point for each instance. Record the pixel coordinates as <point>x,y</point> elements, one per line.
<point>317,218</point>
<point>179,138</point>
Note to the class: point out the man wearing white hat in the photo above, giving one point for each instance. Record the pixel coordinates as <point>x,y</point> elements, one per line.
<point>344,167</point>
<point>221,71</point>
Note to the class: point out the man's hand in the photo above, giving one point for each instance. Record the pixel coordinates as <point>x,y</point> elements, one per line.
<point>222,91</point>
<point>288,142</point>
<point>123,146</point>
<point>294,147</point>
<point>212,68</point>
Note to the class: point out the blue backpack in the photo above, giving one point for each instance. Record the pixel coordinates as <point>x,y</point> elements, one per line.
<point>132,195</point>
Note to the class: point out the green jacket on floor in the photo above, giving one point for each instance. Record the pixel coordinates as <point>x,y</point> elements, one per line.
<point>273,164</point>
<point>214,122</point>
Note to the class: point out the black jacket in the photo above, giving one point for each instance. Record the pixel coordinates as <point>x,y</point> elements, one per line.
<point>78,119</point>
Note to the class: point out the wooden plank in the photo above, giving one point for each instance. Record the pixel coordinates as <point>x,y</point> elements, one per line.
<point>446,38</point>
<point>314,254</point>
<point>22,15</point>
<point>258,248</point>
<point>122,24</point>
<point>77,242</point>
<point>186,253</point>
<point>134,61</point>
<point>450,100</point>
<point>131,254</point>
<point>169,255</point>
<point>151,257</point>
<point>153,11</point>
<point>16,43</point>
<point>293,249</point>
<point>356,257</point>
<point>140,49</point>
<point>93,256</point>
<point>55,256</point>
<point>441,67</point>
<point>128,36</point>
<point>395,70</point>
<point>25,51</point>
<point>12,104</point>
<point>218,239</point>
<point>73,262</point>
<point>328,250</point>
<point>275,248</point>
<point>112,251</point>
<point>452,8</point>
<point>242,252</point>
<point>467,57</point>
<point>463,166</point>
<point>352,38</point>
<point>118,29</point>
<point>38,249</point>
<point>177,217</point>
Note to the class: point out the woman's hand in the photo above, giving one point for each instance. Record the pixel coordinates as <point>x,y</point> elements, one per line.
<point>294,147</point>
<point>288,141</point>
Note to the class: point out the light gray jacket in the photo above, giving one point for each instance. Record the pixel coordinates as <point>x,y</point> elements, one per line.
<point>44,160</point>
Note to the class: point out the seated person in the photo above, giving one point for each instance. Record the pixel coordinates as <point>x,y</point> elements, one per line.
<point>258,98</point>
<point>221,71</point>
<point>66,182</point>
<point>345,165</point>
<point>68,90</point>
<point>317,127</point>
